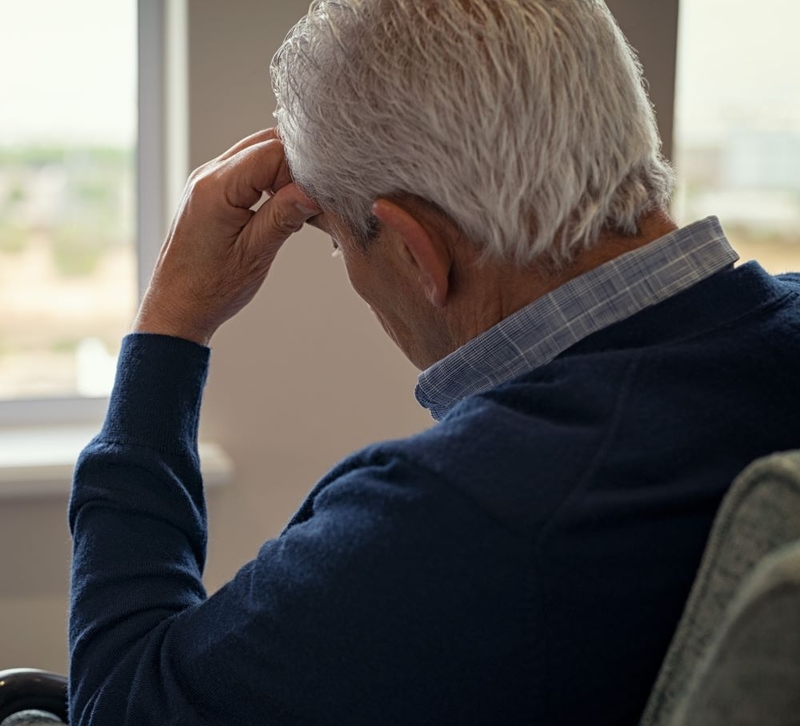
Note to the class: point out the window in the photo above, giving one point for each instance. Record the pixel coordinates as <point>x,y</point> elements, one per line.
<point>737,146</point>
<point>85,172</point>
<point>67,195</point>
<point>86,178</point>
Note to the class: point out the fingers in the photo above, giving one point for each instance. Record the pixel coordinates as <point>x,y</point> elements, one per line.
<point>254,165</point>
<point>251,171</point>
<point>283,176</point>
<point>258,168</point>
<point>256,138</point>
<point>284,214</point>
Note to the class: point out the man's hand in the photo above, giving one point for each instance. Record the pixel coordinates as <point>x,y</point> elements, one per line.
<point>218,251</point>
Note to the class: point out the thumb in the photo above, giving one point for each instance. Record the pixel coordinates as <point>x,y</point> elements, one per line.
<point>281,216</point>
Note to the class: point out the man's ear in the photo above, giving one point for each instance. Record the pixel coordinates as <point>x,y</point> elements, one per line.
<point>425,252</point>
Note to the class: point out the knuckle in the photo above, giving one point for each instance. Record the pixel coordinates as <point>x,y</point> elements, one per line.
<point>198,172</point>
<point>203,183</point>
<point>204,175</point>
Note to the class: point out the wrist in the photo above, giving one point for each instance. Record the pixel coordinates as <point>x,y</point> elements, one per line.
<point>157,323</point>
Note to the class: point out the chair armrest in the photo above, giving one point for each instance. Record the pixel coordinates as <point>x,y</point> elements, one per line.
<point>24,689</point>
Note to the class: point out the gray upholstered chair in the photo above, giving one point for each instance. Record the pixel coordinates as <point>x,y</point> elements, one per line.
<point>735,657</point>
<point>751,674</point>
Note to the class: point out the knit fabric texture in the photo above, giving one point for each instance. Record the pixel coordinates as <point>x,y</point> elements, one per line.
<point>525,560</point>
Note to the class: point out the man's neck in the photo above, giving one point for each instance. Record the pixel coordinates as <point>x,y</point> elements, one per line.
<point>490,292</point>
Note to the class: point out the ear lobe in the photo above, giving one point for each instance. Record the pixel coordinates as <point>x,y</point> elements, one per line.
<point>425,251</point>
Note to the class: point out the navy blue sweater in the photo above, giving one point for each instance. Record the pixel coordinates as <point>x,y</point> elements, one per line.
<point>525,560</point>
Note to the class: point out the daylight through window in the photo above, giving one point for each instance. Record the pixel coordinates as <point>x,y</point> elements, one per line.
<point>67,206</point>
<point>738,124</point>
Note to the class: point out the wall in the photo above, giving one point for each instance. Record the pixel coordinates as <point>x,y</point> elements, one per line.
<point>299,379</point>
<point>652,29</point>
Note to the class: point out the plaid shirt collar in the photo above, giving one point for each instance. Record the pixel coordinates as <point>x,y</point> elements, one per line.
<point>539,332</point>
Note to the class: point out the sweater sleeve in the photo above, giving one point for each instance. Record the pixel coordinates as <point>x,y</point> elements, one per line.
<point>356,613</point>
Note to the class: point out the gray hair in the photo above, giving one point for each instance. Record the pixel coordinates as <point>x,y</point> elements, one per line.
<point>526,122</point>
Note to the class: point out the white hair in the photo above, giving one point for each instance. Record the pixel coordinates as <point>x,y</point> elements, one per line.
<point>526,122</point>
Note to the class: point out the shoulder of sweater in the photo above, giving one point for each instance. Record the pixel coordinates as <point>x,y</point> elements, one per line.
<point>520,449</point>
<point>515,452</point>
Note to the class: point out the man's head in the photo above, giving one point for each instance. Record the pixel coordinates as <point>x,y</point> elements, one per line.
<point>468,155</point>
<point>522,126</point>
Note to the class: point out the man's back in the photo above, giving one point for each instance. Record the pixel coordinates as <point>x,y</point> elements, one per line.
<point>605,469</point>
<point>525,560</point>
<point>619,453</point>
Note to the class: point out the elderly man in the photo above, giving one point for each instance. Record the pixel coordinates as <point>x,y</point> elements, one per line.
<point>490,172</point>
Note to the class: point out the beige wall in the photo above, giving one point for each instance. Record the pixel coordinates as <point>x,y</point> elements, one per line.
<point>652,29</point>
<point>300,379</point>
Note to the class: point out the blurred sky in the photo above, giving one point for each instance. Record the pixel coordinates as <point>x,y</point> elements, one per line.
<point>67,71</point>
<point>738,60</point>
<point>67,68</point>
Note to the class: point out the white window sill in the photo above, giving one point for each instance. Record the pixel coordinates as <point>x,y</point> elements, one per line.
<point>38,461</point>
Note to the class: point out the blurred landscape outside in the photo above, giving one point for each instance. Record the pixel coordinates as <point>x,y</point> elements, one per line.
<point>67,143</point>
<point>737,139</point>
<point>67,194</point>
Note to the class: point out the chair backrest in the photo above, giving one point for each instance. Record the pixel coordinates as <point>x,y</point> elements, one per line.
<point>759,515</point>
<point>751,673</point>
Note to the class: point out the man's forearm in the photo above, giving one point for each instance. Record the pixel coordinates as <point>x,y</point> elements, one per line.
<point>137,513</point>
